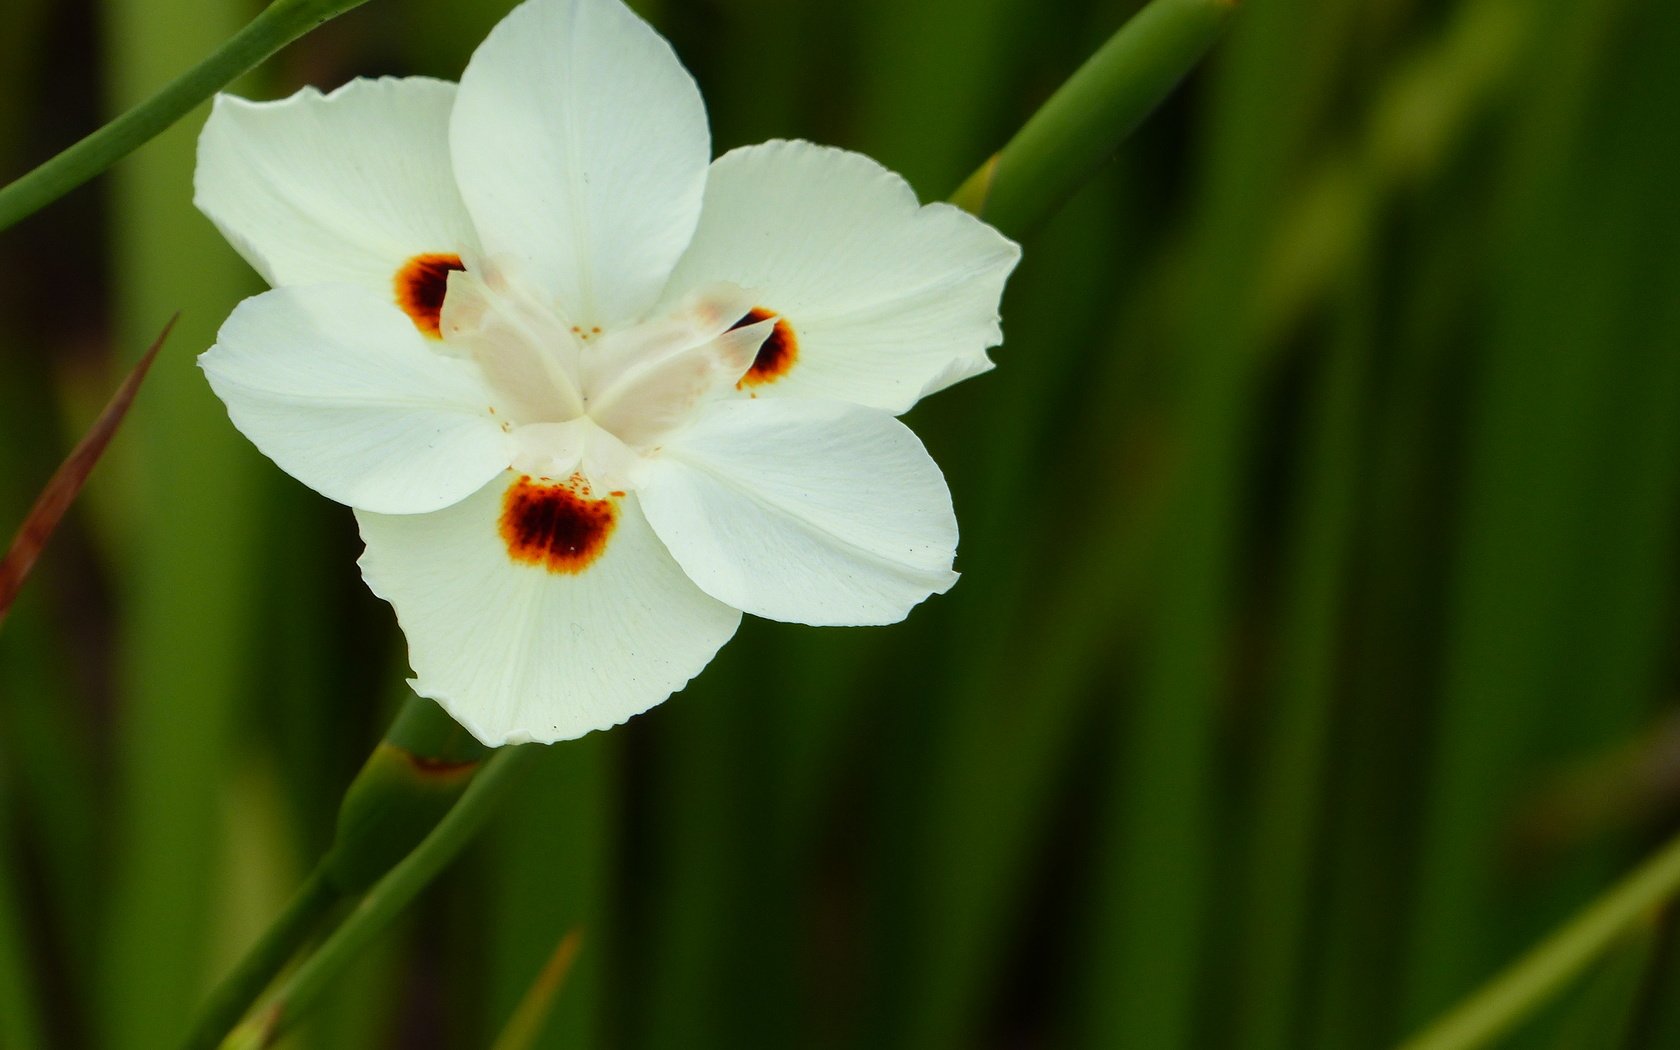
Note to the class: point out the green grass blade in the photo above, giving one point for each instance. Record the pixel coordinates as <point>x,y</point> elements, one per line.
<point>1542,410</point>
<point>1150,909</point>
<point>1012,684</point>
<point>20,1016</point>
<point>531,1018</point>
<point>1284,824</point>
<point>1604,1013</point>
<point>1399,545</point>
<point>548,869</point>
<point>188,568</point>
<point>1563,955</point>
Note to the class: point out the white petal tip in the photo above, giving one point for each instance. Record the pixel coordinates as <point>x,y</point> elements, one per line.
<point>494,735</point>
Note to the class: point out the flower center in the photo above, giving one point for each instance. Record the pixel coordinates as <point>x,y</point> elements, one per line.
<point>577,397</point>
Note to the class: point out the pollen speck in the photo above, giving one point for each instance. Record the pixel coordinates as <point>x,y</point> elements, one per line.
<point>557,527</point>
<point>421,283</point>
<point>775,355</point>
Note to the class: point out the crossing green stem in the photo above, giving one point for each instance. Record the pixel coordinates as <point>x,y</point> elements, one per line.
<point>1084,122</point>
<point>280,23</point>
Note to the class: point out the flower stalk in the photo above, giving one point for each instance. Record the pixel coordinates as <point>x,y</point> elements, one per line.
<point>280,23</point>
<point>385,901</point>
<point>1078,130</point>
<point>415,774</point>
<point>303,914</point>
<point>424,763</point>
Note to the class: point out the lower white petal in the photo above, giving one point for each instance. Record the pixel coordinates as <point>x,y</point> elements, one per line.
<point>812,512</point>
<point>540,613</point>
<point>339,389</point>
<point>882,300</point>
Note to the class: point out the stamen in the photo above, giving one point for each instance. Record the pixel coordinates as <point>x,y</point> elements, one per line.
<point>775,355</point>
<point>556,525</point>
<point>421,283</point>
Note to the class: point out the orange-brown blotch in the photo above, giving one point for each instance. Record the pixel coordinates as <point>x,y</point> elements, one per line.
<point>421,283</point>
<point>556,525</point>
<point>775,355</point>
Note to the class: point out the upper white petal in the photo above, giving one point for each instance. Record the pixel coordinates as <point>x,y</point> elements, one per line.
<point>580,144</point>
<point>889,300</point>
<point>339,389</point>
<point>344,187</point>
<point>518,653</point>
<point>805,511</point>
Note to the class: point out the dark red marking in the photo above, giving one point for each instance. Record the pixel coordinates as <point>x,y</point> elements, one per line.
<point>556,526</point>
<point>431,767</point>
<point>775,355</point>
<point>421,284</point>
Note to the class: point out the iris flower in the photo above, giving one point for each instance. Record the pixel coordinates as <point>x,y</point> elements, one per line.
<point>591,394</point>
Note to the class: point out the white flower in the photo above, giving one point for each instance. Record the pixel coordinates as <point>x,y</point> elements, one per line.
<point>591,397</point>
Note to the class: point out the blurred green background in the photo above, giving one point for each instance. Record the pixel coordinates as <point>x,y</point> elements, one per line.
<point>1315,650</point>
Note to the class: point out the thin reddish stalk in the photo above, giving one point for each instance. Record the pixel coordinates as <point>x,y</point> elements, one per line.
<point>67,481</point>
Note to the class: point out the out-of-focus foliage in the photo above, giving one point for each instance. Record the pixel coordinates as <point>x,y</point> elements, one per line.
<point>1315,647</point>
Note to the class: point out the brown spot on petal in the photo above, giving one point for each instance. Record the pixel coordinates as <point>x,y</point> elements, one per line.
<point>775,355</point>
<point>557,526</point>
<point>421,283</point>
<point>435,769</point>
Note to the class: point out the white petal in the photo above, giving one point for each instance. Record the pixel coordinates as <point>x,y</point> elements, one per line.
<point>339,389</point>
<point>345,187</point>
<point>805,511</point>
<point>518,652</point>
<point>888,300</point>
<point>580,144</point>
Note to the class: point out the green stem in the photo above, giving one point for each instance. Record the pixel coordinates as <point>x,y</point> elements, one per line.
<point>413,777</point>
<point>227,1004</point>
<point>382,903</point>
<point>420,768</point>
<point>282,22</point>
<point>1074,133</point>
<point>1529,982</point>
